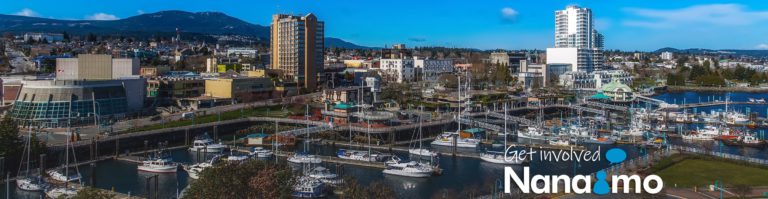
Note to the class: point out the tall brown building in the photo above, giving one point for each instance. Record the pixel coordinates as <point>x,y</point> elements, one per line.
<point>297,47</point>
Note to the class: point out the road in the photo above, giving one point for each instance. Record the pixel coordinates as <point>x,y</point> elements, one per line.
<point>20,62</point>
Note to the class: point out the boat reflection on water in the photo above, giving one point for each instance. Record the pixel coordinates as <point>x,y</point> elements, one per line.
<point>405,183</point>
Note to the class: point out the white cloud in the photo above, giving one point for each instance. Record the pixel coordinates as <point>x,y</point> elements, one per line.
<point>708,14</point>
<point>762,46</point>
<point>141,12</point>
<point>508,14</point>
<point>101,16</point>
<point>27,13</point>
<point>603,23</point>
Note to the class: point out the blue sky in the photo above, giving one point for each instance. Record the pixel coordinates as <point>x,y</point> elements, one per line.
<point>484,24</point>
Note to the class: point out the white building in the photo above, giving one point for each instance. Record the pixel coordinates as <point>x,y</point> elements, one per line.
<point>397,70</point>
<point>666,55</point>
<point>50,37</point>
<point>594,80</point>
<point>431,69</point>
<point>576,41</point>
<point>245,52</point>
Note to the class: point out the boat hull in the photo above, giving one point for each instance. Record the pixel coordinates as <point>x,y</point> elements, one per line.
<point>158,169</point>
<point>407,174</point>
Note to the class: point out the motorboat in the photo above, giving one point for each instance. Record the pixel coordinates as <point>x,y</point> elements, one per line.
<point>422,152</point>
<point>58,175</point>
<point>447,139</point>
<point>356,155</point>
<point>303,158</point>
<point>408,169</point>
<point>498,157</point>
<point>204,143</point>
<point>598,140</point>
<point>559,142</point>
<point>260,152</point>
<point>325,175</point>
<point>307,187</point>
<point>194,170</point>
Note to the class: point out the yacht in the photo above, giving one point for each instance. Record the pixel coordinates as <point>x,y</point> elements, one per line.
<point>160,163</point>
<point>307,187</point>
<point>59,175</point>
<point>31,183</point>
<point>408,169</point>
<point>446,139</point>
<point>205,144</point>
<point>260,152</point>
<point>560,142</point>
<point>194,170</point>
<point>325,176</point>
<point>499,158</point>
<point>302,158</point>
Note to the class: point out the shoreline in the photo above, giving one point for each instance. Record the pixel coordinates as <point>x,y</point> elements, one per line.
<point>716,89</point>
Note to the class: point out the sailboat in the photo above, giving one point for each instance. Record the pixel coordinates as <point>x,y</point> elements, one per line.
<point>61,173</point>
<point>421,151</point>
<point>195,169</point>
<point>66,191</point>
<point>500,157</point>
<point>303,157</point>
<point>29,182</point>
<point>448,138</point>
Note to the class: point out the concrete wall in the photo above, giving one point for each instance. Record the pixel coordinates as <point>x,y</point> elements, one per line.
<point>124,67</point>
<point>66,68</point>
<point>96,67</point>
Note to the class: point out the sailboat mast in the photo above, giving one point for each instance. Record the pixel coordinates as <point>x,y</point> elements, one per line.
<point>458,103</point>
<point>505,125</point>
<point>420,135</point>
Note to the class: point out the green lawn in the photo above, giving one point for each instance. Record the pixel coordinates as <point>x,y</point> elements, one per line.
<point>270,111</point>
<point>701,172</point>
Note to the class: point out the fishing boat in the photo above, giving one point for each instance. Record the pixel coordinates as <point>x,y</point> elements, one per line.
<point>745,140</point>
<point>534,133</point>
<point>599,140</point>
<point>559,142</point>
<point>302,158</point>
<point>325,176</point>
<point>204,143</point>
<point>307,187</point>
<point>159,163</point>
<point>707,133</point>
<point>408,169</point>
<point>261,152</point>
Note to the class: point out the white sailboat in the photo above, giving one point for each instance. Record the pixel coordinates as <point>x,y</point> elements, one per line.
<point>454,138</point>
<point>421,151</point>
<point>261,152</point>
<point>499,157</point>
<point>194,170</point>
<point>29,182</point>
<point>302,158</point>
<point>325,176</point>
<point>66,191</point>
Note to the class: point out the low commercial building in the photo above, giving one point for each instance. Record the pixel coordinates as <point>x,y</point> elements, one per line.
<point>47,103</point>
<point>165,91</point>
<point>431,69</point>
<point>593,80</point>
<point>240,89</point>
<point>95,67</point>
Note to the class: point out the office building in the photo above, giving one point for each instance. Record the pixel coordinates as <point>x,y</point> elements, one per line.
<point>431,69</point>
<point>396,70</point>
<point>509,59</point>
<point>576,41</point>
<point>666,55</point>
<point>240,89</point>
<point>297,48</point>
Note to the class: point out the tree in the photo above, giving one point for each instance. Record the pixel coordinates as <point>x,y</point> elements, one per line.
<point>250,179</point>
<point>448,80</point>
<point>12,145</point>
<point>93,193</point>
<point>376,190</point>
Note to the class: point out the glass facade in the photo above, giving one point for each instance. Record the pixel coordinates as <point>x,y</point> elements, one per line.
<point>49,105</point>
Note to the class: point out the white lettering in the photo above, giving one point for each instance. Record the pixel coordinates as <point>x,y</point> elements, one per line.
<point>523,185</point>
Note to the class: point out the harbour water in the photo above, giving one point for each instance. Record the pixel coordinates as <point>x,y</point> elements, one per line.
<point>459,173</point>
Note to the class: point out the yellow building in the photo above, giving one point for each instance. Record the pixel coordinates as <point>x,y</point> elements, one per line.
<point>256,73</point>
<point>244,89</point>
